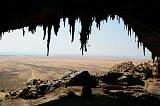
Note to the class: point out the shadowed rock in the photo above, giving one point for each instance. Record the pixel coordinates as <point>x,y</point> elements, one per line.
<point>83,79</point>
<point>128,74</point>
<point>36,88</point>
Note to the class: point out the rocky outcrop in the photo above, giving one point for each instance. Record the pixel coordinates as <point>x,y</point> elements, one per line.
<point>124,67</point>
<point>36,88</point>
<point>128,74</point>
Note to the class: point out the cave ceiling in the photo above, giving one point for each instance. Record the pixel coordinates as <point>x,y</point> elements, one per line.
<point>141,16</point>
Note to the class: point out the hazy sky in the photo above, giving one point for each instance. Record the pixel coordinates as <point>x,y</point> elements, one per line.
<point>111,40</point>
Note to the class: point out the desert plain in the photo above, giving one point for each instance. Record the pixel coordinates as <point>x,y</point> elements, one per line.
<point>16,70</point>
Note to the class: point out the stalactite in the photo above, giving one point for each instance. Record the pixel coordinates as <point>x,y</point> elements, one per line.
<point>0,36</point>
<point>32,28</point>
<point>49,38</point>
<point>106,19</point>
<point>125,25</point>
<point>135,37</point>
<point>23,31</point>
<point>129,31</point>
<point>55,21</point>
<point>144,49</point>
<point>119,19</point>
<point>56,25</point>
<point>64,21</point>
<point>86,23</point>
<point>112,16</point>
<point>44,30</point>
<point>71,22</point>
<point>98,22</point>
<point>138,43</point>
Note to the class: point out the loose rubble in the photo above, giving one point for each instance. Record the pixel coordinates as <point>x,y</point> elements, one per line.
<point>128,74</point>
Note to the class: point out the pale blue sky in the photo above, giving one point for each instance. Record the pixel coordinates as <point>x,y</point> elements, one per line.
<point>111,40</point>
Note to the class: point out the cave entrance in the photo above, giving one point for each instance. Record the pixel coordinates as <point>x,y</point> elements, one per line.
<point>110,39</point>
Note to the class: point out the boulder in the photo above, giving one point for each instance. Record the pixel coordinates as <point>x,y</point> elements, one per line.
<point>82,79</point>
<point>130,80</point>
<point>110,77</point>
<point>29,93</point>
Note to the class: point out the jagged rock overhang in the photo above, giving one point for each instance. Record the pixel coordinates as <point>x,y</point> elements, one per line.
<point>140,16</point>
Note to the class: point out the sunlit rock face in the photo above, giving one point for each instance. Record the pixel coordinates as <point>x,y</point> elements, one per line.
<point>141,16</point>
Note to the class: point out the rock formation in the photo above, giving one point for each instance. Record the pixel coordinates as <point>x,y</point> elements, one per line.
<point>128,74</point>
<point>36,88</point>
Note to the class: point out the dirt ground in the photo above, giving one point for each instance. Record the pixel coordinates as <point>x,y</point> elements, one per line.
<point>15,71</point>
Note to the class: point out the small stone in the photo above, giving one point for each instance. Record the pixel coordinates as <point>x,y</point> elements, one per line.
<point>13,93</point>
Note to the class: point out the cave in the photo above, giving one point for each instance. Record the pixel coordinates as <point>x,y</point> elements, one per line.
<point>141,16</point>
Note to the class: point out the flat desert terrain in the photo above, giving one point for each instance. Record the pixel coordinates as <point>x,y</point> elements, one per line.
<point>16,70</point>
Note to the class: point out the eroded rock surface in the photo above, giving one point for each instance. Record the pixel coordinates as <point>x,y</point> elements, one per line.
<point>36,88</point>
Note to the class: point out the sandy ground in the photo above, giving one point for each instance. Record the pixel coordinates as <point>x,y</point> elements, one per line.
<point>15,71</point>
